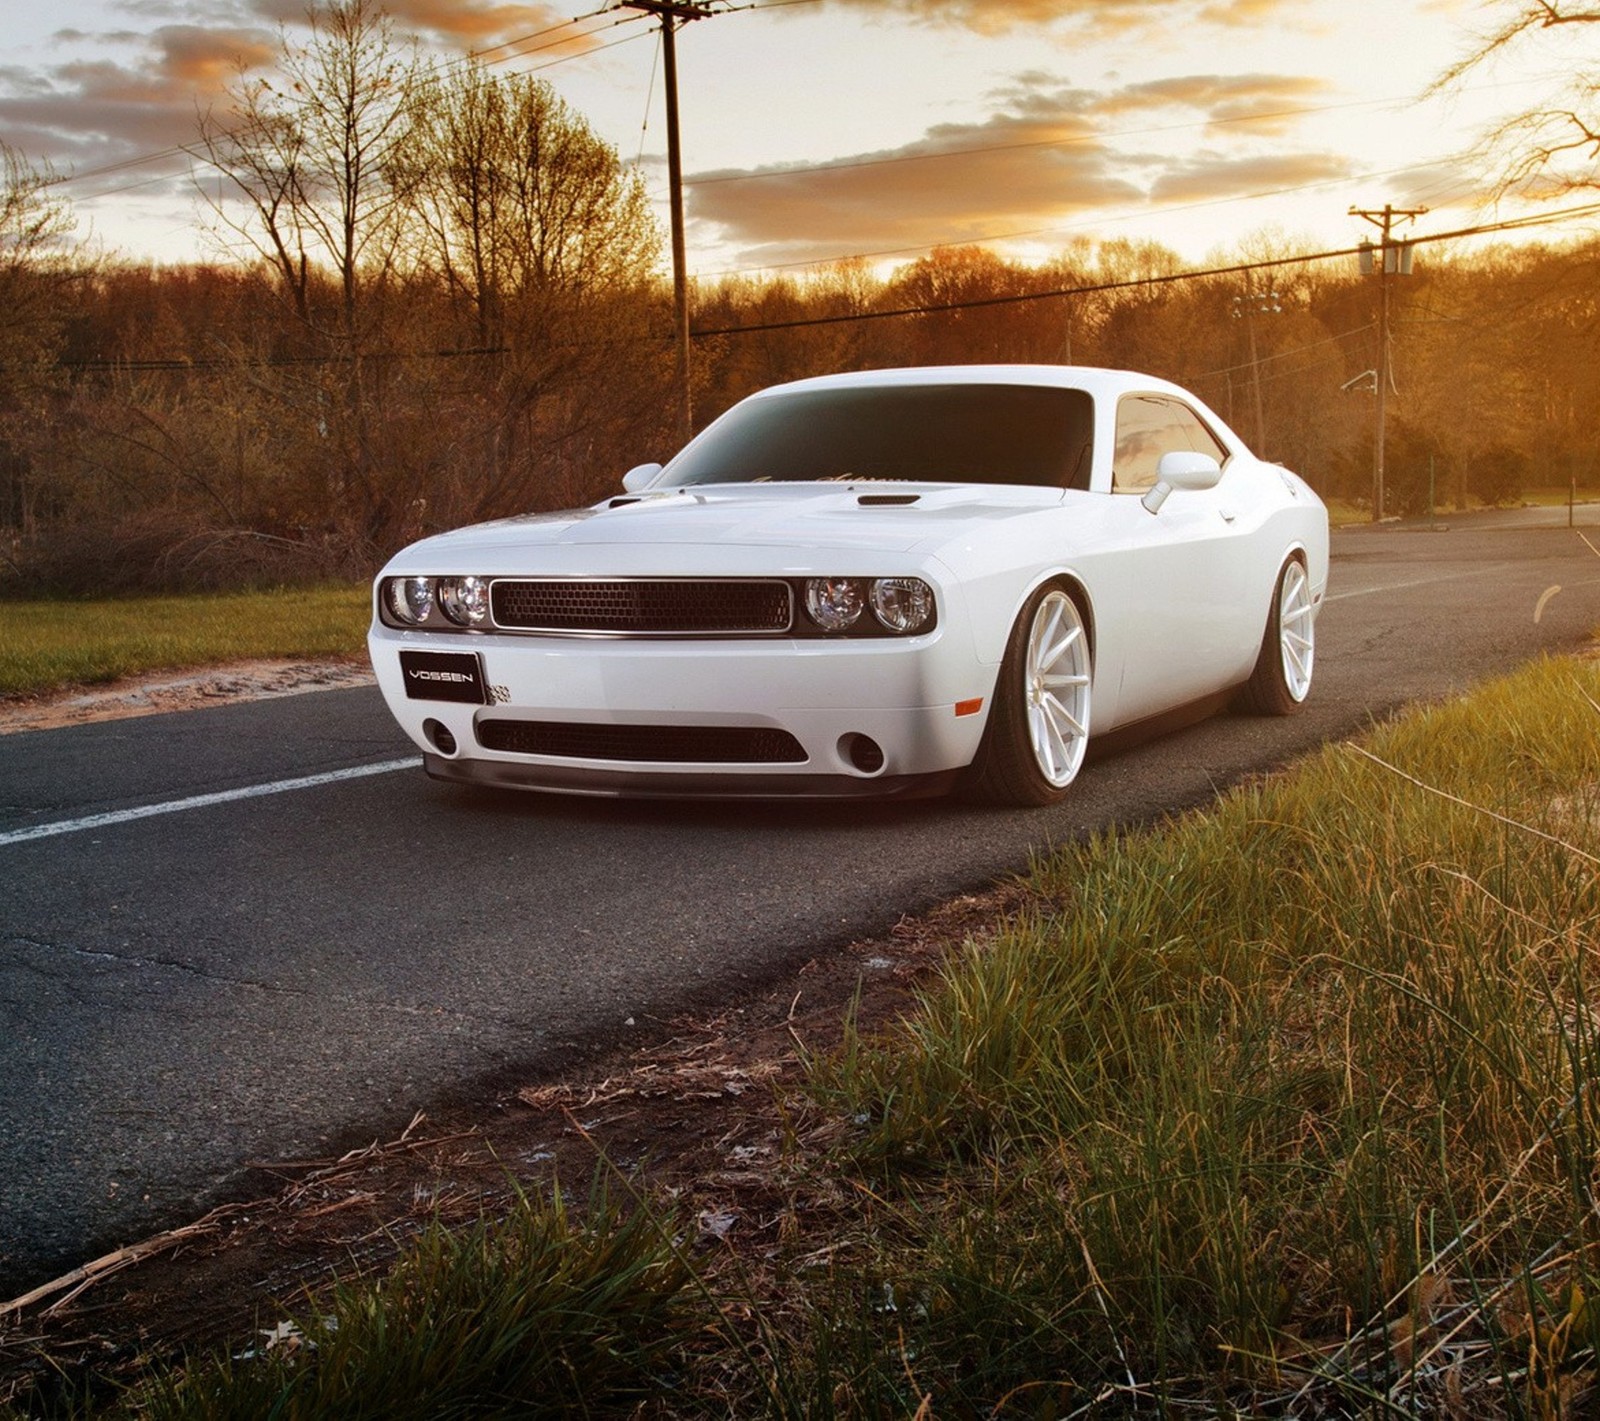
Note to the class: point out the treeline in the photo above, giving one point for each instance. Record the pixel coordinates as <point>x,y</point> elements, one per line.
<point>460,314</point>
<point>1495,371</point>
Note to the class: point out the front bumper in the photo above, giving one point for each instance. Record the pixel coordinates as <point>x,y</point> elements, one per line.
<point>903,696</point>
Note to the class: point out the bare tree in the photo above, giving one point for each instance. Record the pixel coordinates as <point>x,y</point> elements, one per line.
<point>309,158</point>
<point>316,192</point>
<point>1551,147</point>
<point>520,203</point>
<point>35,267</point>
<point>547,248</point>
<point>34,264</point>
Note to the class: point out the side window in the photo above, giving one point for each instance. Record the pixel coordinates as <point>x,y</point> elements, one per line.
<point>1201,439</point>
<point>1149,426</point>
<point>1145,431</point>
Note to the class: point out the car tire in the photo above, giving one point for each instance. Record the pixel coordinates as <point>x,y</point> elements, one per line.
<point>1034,742</point>
<point>1281,680</point>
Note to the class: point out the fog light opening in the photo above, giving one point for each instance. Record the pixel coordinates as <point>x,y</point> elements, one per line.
<point>439,736</point>
<point>863,752</point>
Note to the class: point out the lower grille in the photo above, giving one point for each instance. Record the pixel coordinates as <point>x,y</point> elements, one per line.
<point>641,606</point>
<point>666,744</point>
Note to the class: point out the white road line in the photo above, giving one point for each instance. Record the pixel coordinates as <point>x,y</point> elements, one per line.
<point>1488,571</point>
<point>1420,582</point>
<point>201,801</point>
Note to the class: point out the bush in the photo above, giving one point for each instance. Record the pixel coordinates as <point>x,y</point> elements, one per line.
<point>1497,475</point>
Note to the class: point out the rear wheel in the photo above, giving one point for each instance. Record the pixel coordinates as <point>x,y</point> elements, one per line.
<point>1281,680</point>
<point>1038,725</point>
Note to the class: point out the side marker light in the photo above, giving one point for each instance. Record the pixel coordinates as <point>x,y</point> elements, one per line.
<point>971,707</point>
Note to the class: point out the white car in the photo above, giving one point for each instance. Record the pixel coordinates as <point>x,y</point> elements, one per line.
<point>885,583</point>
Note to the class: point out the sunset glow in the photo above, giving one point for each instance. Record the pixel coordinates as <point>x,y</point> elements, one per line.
<point>834,128</point>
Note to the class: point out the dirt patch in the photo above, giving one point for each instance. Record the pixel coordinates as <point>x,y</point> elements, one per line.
<point>702,1112</point>
<point>164,691</point>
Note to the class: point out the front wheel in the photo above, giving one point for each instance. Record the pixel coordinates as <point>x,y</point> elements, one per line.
<point>1281,680</point>
<point>1038,725</point>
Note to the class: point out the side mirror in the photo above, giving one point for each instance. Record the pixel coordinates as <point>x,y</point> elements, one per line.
<point>640,477</point>
<point>1182,469</point>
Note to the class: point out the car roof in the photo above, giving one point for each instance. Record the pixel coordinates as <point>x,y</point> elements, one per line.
<point>1102,383</point>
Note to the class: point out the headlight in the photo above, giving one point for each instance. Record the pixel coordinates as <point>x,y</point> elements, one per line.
<point>903,604</point>
<point>834,603</point>
<point>465,600</point>
<point>411,599</point>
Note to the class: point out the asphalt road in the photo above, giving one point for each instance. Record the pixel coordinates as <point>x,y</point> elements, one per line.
<point>273,976</point>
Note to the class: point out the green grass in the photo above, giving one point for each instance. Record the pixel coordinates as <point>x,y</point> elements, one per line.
<point>1556,496</point>
<point>47,645</point>
<point>1342,513</point>
<point>538,1313</point>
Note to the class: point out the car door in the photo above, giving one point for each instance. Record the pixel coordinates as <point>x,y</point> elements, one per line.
<point>1183,579</point>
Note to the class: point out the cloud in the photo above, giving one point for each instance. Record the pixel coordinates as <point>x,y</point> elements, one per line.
<point>1269,104</point>
<point>135,87</point>
<point>1241,13</point>
<point>1101,17</point>
<point>1049,156</point>
<point>205,60</point>
<point>1445,183</point>
<point>475,23</point>
<point>1211,177</point>
<point>1037,165</point>
<point>468,22</point>
<point>994,16</point>
<point>90,113</point>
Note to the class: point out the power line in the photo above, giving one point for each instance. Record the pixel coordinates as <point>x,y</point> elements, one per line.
<point>585,54</point>
<point>274,362</point>
<point>157,364</point>
<point>559,43</point>
<point>479,54</point>
<point>1166,279</point>
<point>1284,354</point>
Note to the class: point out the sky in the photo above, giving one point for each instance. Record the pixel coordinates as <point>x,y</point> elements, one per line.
<point>814,130</point>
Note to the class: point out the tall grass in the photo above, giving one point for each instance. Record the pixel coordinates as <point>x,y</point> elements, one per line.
<point>538,1313</point>
<point>1244,1102</point>
<point>46,645</point>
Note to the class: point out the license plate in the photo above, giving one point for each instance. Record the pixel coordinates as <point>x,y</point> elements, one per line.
<point>443,676</point>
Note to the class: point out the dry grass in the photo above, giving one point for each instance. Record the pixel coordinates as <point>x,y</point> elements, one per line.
<point>1291,1099</point>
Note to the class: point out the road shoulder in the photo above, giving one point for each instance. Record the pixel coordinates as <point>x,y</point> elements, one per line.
<point>163,691</point>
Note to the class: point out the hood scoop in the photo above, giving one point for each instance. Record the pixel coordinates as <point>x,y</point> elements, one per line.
<point>887,500</point>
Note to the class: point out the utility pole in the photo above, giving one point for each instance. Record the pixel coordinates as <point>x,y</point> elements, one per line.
<point>674,13</point>
<point>1247,308</point>
<point>1396,261</point>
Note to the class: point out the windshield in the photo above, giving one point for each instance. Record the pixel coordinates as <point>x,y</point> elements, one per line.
<point>957,433</point>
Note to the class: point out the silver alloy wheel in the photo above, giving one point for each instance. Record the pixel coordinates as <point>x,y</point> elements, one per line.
<point>1296,631</point>
<point>1056,688</point>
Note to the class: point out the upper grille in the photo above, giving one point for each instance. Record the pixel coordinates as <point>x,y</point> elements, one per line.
<point>642,607</point>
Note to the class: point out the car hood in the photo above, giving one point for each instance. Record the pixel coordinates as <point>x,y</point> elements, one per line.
<point>885,516</point>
